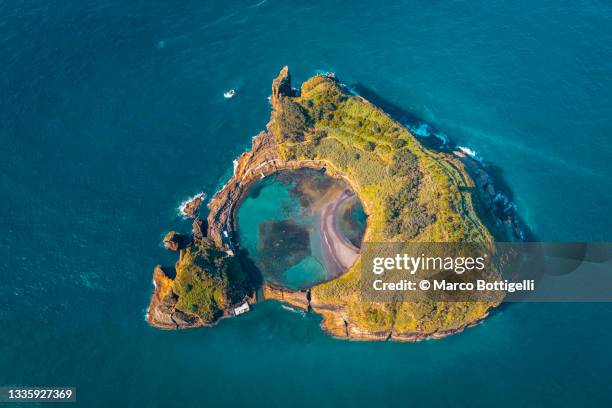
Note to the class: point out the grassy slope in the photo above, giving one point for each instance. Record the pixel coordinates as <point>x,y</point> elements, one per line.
<point>360,141</point>
<point>207,282</point>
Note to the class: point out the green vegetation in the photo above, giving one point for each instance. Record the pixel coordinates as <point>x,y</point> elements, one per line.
<point>410,193</point>
<point>293,121</point>
<point>403,215</point>
<point>208,281</point>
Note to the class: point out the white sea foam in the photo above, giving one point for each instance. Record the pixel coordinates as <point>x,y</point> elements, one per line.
<point>235,163</point>
<point>469,152</point>
<point>505,201</point>
<point>351,89</point>
<point>424,130</point>
<point>510,208</point>
<point>442,137</point>
<point>218,191</point>
<point>181,208</point>
<point>326,73</point>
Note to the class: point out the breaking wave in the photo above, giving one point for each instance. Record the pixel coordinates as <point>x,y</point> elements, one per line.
<point>424,130</point>
<point>469,152</point>
<point>181,208</point>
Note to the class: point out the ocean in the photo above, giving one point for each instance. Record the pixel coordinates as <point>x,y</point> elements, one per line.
<point>112,113</point>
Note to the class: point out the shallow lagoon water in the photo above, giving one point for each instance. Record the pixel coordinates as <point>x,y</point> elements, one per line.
<point>279,226</point>
<point>112,113</point>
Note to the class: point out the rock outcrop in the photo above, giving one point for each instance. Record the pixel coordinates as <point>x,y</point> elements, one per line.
<point>199,229</point>
<point>297,298</point>
<point>192,207</point>
<point>495,205</point>
<point>162,312</point>
<point>281,86</point>
<point>175,241</point>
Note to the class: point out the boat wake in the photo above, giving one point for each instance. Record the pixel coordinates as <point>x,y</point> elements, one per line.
<point>293,310</point>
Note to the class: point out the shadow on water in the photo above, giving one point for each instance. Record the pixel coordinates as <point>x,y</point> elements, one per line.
<point>247,263</point>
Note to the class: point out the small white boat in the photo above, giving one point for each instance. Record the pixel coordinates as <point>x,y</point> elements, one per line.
<point>229,94</point>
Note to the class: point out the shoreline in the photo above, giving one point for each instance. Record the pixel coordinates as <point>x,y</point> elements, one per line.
<point>263,160</point>
<point>337,250</point>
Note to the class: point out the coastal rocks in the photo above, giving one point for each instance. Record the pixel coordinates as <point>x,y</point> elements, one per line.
<point>250,167</point>
<point>160,316</point>
<point>281,86</point>
<point>175,241</point>
<point>162,312</point>
<point>163,299</point>
<point>296,298</point>
<point>183,320</point>
<point>334,321</point>
<point>496,205</point>
<point>191,207</point>
<point>199,229</point>
<point>358,333</point>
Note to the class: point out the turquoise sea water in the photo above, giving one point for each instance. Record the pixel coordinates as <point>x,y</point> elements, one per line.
<point>112,113</point>
<point>274,203</point>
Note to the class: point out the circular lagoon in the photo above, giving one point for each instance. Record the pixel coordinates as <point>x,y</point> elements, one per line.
<point>301,227</point>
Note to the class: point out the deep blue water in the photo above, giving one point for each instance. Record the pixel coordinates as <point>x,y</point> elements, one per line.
<point>111,113</point>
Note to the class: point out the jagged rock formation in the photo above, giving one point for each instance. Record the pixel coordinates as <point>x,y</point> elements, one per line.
<point>175,241</point>
<point>199,229</point>
<point>281,86</point>
<point>297,298</point>
<point>162,311</point>
<point>495,205</point>
<point>191,208</point>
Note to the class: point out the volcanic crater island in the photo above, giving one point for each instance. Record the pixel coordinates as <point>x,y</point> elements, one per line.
<point>330,172</point>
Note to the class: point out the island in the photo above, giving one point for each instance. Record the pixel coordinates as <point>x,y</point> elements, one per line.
<point>410,193</point>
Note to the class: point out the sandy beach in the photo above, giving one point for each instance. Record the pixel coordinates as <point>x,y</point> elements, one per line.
<point>338,252</point>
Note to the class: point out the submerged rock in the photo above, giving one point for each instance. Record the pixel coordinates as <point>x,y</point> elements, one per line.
<point>282,244</point>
